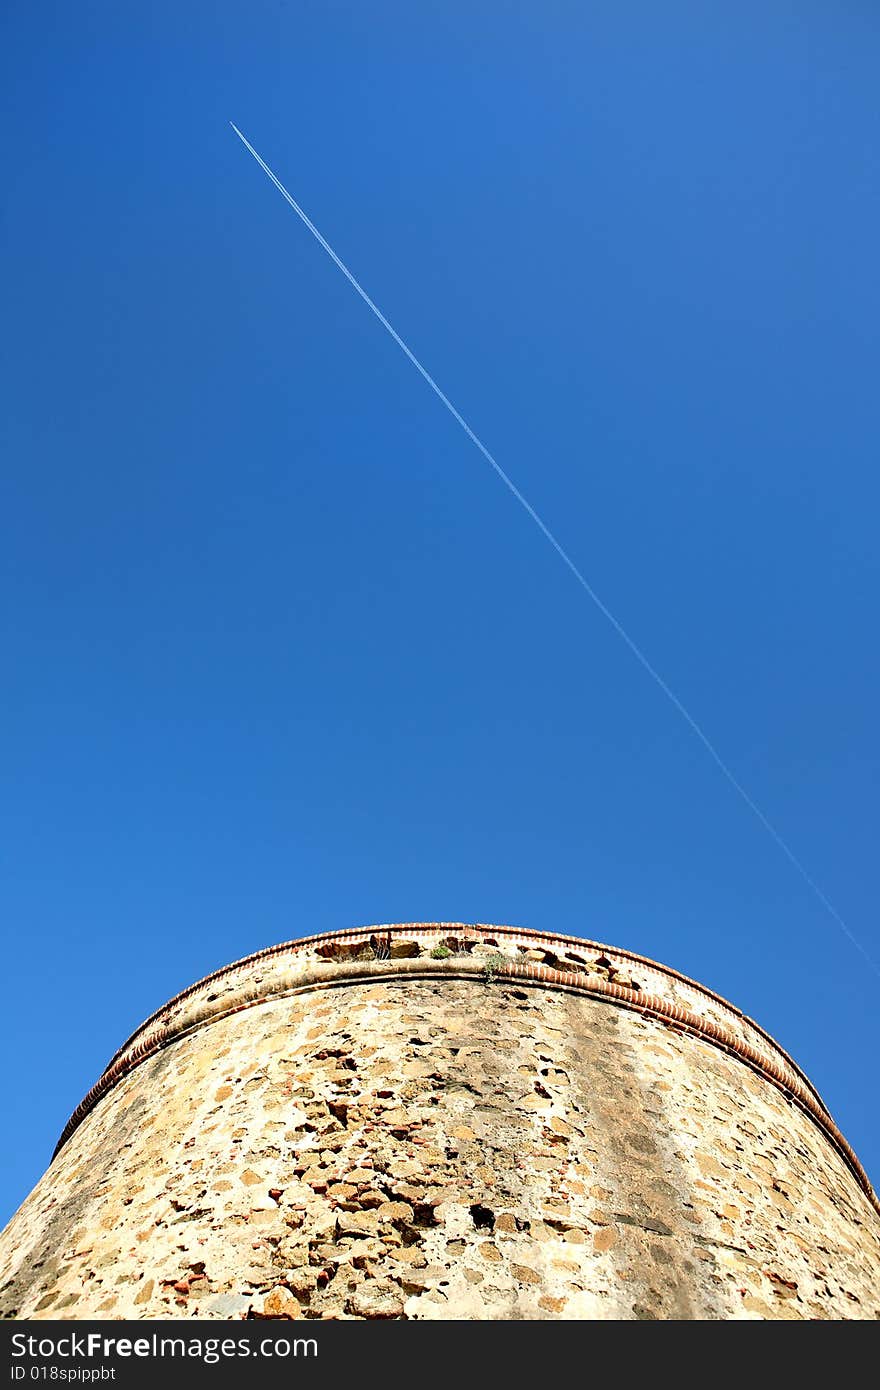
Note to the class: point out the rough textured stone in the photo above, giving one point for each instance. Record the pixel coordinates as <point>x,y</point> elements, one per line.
<point>441,1141</point>
<point>280,1303</point>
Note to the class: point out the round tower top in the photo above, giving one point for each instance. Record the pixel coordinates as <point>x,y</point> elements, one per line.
<point>483,950</point>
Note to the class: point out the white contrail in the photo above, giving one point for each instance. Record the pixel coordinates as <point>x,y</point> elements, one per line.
<point>563,555</point>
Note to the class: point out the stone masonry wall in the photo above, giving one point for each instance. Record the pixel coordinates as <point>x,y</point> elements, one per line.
<point>460,1145</point>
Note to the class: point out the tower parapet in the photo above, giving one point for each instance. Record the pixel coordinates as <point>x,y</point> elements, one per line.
<point>447,1120</point>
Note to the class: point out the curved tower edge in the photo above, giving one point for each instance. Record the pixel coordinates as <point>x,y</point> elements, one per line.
<point>456,950</point>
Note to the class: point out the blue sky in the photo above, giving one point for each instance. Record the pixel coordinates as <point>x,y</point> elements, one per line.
<point>281,655</point>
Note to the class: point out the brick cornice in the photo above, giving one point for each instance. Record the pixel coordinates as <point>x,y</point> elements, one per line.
<point>573,964</point>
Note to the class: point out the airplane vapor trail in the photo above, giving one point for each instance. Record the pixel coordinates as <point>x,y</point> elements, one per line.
<point>566,559</point>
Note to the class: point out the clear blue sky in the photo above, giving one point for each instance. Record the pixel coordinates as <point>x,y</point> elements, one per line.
<point>281,655</point>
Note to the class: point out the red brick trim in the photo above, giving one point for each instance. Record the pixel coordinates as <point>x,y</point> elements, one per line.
<point>528,973</point>
<point>513,935</point>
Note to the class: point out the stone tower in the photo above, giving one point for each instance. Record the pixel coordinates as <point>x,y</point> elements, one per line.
<point>447,1121</point>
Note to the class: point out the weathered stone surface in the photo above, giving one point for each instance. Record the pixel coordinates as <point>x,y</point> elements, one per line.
<point>402,949</point>
<point>445,1147</point>
<point>226,1305</point>
<point>357,1224</point>
<point>280,1303</point>
<point>379,1298</point>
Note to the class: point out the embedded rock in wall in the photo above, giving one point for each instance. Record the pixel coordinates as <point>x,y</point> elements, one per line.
<point>447,1121</point>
